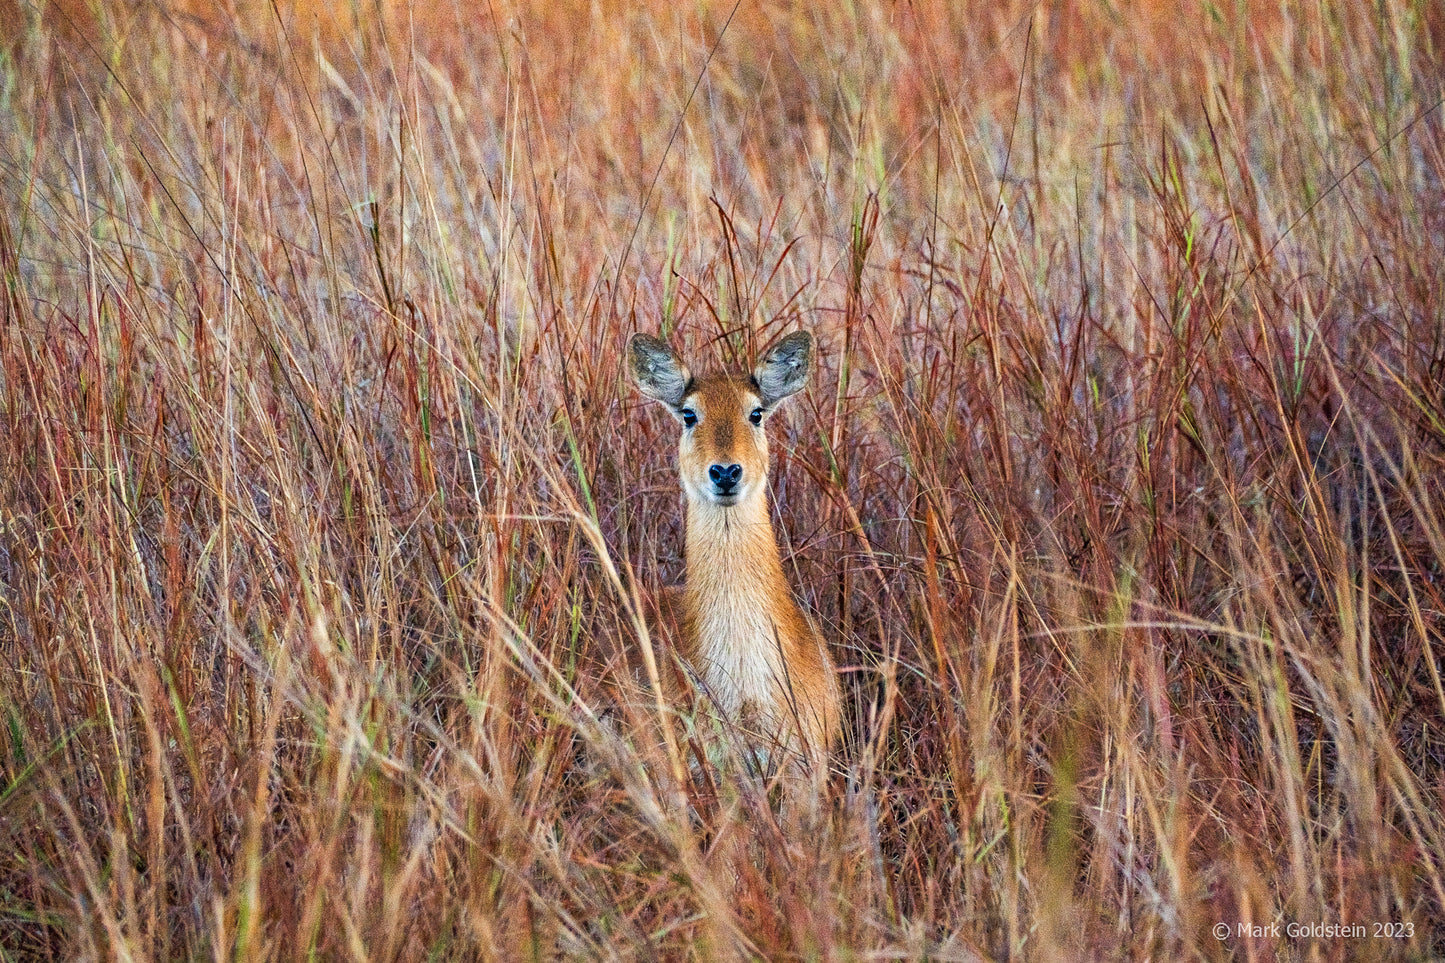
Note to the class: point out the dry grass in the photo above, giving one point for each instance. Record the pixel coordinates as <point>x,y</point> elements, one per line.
<point>327,516</point>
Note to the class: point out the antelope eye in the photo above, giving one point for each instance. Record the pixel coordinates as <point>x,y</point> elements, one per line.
<point>689,417</point>
<point>756,416</point>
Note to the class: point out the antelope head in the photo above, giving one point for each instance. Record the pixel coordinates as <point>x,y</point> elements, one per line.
<point>723,453</point>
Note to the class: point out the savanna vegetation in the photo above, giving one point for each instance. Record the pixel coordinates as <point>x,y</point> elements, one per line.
<point>329,521</point>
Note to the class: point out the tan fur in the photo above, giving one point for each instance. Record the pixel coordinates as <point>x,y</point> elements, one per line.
<point>758,657</point>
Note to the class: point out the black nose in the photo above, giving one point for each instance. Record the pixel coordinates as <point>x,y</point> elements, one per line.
<point>725,477</point>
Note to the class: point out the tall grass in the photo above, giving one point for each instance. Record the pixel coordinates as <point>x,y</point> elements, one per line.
<point>329,524</point>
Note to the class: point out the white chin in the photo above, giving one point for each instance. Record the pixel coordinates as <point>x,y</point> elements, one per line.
<point>707,495</point>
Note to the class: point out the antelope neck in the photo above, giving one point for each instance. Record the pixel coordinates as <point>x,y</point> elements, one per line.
<point>732,558</point>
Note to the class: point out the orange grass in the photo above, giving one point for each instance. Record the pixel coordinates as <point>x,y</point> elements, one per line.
<point>329,523</point>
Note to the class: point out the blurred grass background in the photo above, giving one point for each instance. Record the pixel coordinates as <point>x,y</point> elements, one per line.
<point>327,514</point>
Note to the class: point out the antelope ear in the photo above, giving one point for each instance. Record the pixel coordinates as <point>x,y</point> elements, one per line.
<point>658,371</point>
<point>785,369</point>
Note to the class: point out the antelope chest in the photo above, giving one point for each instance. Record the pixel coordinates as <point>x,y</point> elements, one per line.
<point>738,655</point>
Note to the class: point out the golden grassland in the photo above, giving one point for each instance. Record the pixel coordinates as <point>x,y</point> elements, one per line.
<point>328,518</point>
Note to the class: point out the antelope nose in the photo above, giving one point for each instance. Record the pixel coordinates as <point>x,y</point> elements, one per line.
<point>725,477</point>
